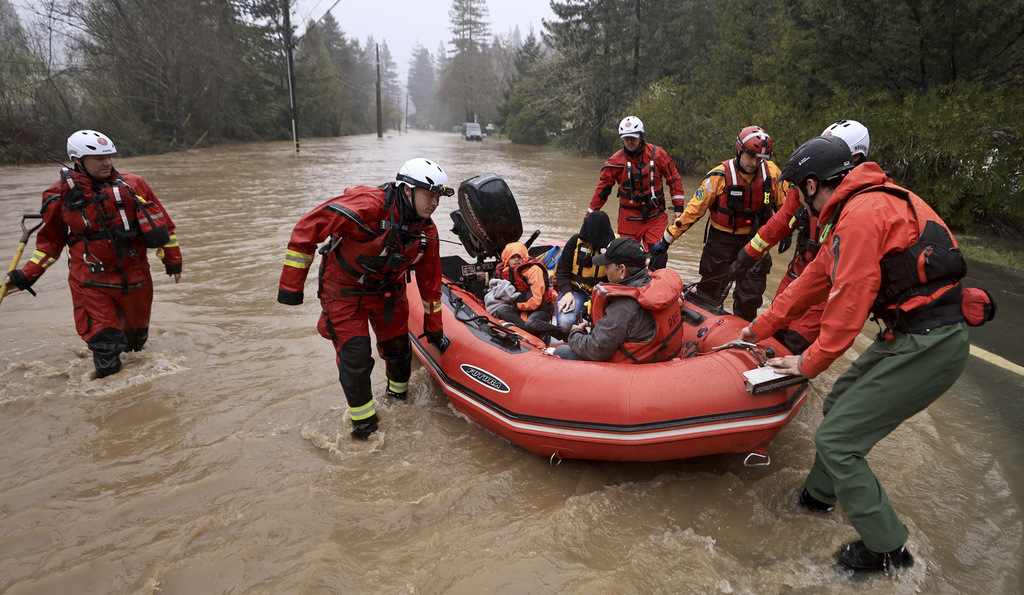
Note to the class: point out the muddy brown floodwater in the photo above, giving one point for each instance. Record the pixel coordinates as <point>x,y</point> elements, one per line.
<point>219,459</point>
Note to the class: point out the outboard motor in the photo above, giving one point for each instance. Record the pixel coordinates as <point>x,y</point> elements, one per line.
<point>487,219</point>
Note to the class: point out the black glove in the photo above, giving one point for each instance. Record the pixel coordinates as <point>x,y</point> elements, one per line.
<point>785,243</point>
<point>437,339</point>
<point>744,262</point>
<point>19,280</point>
<point>659,255</point>
<point>679,210</point>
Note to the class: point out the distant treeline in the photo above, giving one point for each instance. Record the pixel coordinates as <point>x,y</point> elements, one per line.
<point>940,85</point>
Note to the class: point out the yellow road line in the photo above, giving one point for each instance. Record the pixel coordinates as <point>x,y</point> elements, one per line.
<point>995,359</point>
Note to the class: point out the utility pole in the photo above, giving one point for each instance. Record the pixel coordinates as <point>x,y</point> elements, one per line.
<point>380,125</point>
<point>291,69</point>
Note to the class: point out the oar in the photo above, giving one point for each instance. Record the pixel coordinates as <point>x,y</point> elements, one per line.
<point>25,234</point>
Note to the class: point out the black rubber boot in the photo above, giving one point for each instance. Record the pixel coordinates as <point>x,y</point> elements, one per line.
<point>390,393</point>
<point>106,347</point>
<point>856,556</point>
<point>136,338</point>
<point>364,428</point>
<point>813,504</point>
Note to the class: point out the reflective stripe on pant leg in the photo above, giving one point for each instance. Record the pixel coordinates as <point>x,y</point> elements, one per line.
<point>362,412</point>
<point>911,372</point>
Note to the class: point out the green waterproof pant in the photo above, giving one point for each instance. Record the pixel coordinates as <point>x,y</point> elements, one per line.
<point>889,383</point>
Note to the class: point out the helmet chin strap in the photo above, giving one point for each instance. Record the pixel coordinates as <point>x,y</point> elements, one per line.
<point>809,200</point>
<point>407,204</point>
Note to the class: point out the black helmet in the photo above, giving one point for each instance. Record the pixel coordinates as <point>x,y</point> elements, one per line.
<point>823,157</point>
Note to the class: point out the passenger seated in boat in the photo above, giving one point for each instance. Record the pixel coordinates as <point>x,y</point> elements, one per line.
<point>636,314</point>
<point>533,308</point>
<point>576,274</point>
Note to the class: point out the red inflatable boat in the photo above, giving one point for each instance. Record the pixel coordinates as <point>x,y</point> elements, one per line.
<point>504,379</point>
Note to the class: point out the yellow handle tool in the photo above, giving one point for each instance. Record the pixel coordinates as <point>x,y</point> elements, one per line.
<point>26,232</point>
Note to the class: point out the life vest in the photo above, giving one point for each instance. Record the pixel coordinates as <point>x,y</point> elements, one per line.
<point>661,298</point>
<point>932,262</point>
<point>743,203</point>
<point>640,188</point>
<point>584,274</point>
<point>517,277</point>
<point>373,261</point>
<point>110,220</point>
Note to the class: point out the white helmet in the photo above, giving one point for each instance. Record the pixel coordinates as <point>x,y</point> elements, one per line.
<point>631,126</point>
<point>854,133</point>
<point>424,173</point>
<point>89,142</point>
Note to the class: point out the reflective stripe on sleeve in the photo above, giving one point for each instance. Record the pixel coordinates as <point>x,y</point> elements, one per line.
<point>297,259</point>
<point>41,259</point>
<point>759,244</point>
<point>431,307</point>
<point>172,243</point>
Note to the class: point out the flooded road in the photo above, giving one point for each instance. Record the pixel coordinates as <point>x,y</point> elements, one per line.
<point>219,459</point>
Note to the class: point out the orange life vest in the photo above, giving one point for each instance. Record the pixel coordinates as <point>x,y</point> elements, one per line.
<point>661,298</point>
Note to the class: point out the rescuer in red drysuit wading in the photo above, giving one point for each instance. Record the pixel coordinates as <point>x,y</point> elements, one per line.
<point>107,219</point>
<point>376,235</point>
<point>638,169</point>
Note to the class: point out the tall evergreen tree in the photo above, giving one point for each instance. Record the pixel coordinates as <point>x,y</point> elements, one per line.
<point>422,84</point>
<point>471,31</point>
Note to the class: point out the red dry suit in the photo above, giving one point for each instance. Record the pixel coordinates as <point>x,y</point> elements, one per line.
<point>373,238</point>
<point>641,195</point>
<point>792,217</point>
<point>661,298</point>
<point>107,226</point>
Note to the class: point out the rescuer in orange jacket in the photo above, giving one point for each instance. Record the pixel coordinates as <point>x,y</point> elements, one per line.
<point>533,309</point>
<point>638,169</point>
<point>795,219</point>
<point>636,314</point>
<point>107,219</point>
<point>887,254</point>
<point>742,196</point>
<point>373,236</point>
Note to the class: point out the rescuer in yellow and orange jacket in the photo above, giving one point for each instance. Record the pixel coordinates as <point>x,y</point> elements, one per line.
<point>107,219</point>
<point>374,235</point>
<point>742,196</point>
